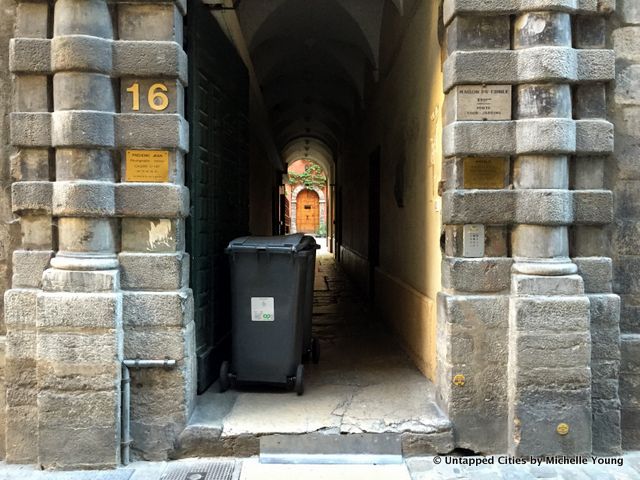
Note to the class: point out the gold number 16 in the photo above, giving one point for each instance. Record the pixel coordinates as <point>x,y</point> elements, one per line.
<point>157,99</point>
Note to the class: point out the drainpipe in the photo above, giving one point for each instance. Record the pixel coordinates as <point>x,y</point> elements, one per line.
<point>126,397</point>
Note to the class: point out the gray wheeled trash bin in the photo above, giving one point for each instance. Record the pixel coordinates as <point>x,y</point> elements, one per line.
<point>268,276</point>
<point>310,345</point>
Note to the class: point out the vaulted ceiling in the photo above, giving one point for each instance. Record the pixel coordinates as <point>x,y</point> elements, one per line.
<point>313,60</point>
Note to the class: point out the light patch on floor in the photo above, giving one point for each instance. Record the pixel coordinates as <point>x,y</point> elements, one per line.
<point>252,469</point>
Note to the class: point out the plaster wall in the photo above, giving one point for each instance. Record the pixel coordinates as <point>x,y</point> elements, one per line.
<point>405,121</point>
<point>262,178</point>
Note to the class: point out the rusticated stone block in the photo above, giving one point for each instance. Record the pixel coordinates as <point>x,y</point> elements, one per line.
<point>594,137</point>
<point>472,341</point>
<point>28,267</point>
<point>31,197</point>
<point>476,274</point>
<point>151,200</point>
<point>83,199</point>
<point>479,33</point>
<point>593,206</point>
<point>537,423</point>
<point>30,55</point>
<point>154,271</point>
<point>530,65</point>
<point>149,59</point>
<point>505,7</point>
<point>158,343</point>
<point>152,131</point>
<point>543,285</point>
<point>552,350</point>
<point>78,310</point>
<point>606,427</point>
<point>597,273</point>
<point>22,434</point>
<point>20,308</point>
<point>81,53</point>
<point>484,206</point>
<point>157,309</point>
<point>157,22</point>
<point>30,129</point>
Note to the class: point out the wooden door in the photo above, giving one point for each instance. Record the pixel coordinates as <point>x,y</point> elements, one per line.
<point>307,212</point>
<point>218,177</point>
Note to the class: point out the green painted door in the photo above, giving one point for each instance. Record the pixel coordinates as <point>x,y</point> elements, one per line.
<point>217,174</point>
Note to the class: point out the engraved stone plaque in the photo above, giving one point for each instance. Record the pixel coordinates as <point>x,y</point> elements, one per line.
<point>484,172</point>
<point>483,102</point>
<point>147,166</point>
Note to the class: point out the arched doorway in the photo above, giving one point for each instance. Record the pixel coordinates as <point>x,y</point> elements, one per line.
<point>307,212</point>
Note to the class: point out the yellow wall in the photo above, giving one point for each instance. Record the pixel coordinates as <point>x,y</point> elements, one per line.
<point>405,120</point>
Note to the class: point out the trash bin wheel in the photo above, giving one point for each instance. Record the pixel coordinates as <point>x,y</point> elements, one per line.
<point>315,350</point>
<point>224,376</point>
<point>299,386</point>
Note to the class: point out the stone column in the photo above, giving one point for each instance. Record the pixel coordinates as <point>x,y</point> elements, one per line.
<point>549,341</point>
<point>79,314</point>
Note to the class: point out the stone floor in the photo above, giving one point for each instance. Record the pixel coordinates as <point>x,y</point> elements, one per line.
<point>425,468</point>
<point>363,383</point>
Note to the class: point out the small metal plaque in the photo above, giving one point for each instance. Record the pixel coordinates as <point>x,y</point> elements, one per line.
<point>484,172</point>
<point>147,166</point>
<point>262,309</point>
<point>483,102</point>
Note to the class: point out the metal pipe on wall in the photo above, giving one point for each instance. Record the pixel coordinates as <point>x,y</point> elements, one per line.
<point>126,397</point>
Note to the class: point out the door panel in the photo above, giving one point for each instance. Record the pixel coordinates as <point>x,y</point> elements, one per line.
<point>217,175</point>
<point>307,212</point>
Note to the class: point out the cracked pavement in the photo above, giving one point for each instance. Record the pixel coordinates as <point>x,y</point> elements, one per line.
<point>364,382</point>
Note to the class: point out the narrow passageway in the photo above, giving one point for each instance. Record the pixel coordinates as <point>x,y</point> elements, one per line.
<point>364,382</point>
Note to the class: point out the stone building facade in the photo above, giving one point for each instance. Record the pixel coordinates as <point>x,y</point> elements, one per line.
<point>533,344</point>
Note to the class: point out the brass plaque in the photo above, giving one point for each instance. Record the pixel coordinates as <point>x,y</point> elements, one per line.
<point>484,172</point>
<point>483,102</point>
<point>459,380</point>
<point>147,166</point>
<point>562,429</point>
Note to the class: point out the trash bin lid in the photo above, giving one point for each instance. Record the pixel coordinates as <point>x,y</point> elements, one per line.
<point>281,243</point>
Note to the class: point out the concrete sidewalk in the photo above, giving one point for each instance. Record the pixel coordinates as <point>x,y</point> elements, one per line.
<point>422,468</point>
